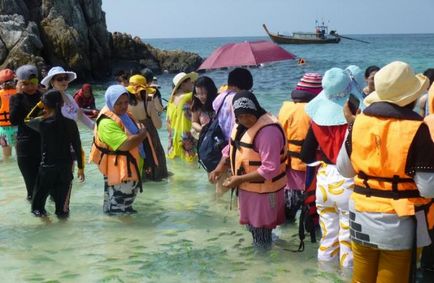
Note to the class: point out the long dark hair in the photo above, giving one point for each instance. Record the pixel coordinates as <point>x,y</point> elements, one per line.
<point>211,93</point>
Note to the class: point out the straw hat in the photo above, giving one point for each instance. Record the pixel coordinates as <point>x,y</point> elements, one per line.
<point>326,109</point>
<point>137,84</point>
<point>57,71</point>
<point>396,83</point>
<point>181,77</point>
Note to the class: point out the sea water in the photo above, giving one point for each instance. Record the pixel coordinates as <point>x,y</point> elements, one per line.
<point>182,232</point>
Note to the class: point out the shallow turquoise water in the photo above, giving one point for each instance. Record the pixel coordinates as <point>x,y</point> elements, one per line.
<point>182,232</point>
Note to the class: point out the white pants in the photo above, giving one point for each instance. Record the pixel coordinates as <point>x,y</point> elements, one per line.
<point>332,196</point>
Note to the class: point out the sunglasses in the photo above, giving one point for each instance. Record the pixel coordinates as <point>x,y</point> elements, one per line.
<point>33,81</point>
<point>61,78</point>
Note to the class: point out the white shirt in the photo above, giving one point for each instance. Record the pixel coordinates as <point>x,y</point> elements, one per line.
<point>71,110</point>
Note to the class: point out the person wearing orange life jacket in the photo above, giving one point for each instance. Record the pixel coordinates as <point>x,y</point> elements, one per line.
<point>257,154</point>
<point>296,123</point>
<point>327,132</point>
<point>7,131</point>
<point>427,259</point>
<point>390,154</point>
<point>118,151</point>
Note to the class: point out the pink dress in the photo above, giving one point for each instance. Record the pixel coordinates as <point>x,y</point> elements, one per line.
<point>264,210</point>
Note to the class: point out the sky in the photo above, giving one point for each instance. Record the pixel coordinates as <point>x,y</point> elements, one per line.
<point>221,18</point>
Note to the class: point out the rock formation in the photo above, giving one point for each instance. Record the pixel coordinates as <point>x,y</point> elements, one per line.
<point>73,34</point>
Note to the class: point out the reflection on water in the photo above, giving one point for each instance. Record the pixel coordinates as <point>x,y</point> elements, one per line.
<point>181,232</point>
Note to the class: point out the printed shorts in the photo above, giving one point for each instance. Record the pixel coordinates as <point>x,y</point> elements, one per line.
<point>8,136</point>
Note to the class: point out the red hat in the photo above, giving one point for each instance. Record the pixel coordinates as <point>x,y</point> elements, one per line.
<point>308,87</point>
<point>6,75</point>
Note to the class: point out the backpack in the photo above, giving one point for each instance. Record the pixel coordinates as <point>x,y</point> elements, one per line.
<point>211,142</point>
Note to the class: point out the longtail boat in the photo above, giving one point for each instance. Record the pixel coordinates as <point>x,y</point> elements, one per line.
<point>321,36</point>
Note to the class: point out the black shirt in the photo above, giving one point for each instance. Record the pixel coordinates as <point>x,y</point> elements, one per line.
<point>57,137</point>
<point>28,140</point>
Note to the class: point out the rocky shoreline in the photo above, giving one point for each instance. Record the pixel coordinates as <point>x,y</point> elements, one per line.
<point>73,34</point>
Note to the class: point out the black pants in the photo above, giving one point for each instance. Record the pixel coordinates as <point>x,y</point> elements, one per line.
<point>262,237</point>
<point>29,167</point>
<point>427,260</point>
<point>54,180</point>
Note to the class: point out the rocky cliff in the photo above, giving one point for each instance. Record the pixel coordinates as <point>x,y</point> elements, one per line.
<point>73,34</point>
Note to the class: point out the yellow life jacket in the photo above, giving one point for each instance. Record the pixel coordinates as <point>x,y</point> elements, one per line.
<point>5,95</point>
<point>295,123</point>
<point>245,159</point>
<point>117,165</point>
<point>379,153</point>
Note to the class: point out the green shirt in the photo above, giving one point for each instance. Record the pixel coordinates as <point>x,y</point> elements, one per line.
<point>111,134</point>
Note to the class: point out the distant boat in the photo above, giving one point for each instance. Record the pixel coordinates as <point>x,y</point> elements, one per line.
<point>321,36</point>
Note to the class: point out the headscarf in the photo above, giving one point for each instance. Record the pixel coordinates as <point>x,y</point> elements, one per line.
<point>82,100</point>
<point>112,95</point>
<point>245,102</point>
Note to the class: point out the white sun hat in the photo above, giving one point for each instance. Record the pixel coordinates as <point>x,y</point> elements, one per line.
<point>57,71</point>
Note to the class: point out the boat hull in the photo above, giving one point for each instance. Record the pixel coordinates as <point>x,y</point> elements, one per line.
<point>284,39</point>
<point>289,40</point>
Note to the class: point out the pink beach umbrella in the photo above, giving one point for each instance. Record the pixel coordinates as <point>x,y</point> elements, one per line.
<point>245,54</point>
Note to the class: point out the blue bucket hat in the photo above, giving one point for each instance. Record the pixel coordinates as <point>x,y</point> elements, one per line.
<point>357,77</point>
<point>326,108</point>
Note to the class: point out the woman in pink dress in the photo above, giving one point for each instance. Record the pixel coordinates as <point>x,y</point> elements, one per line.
<point>257,154</point>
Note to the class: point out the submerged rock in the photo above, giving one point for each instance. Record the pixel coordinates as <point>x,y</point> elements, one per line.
<point>73,34</point>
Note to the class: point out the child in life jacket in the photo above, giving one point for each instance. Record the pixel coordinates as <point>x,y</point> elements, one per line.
<point>7,131</point>
<point>58,134</point>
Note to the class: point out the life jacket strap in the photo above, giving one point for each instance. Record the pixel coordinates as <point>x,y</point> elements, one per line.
<point>395,180</point>
<point>276,178</point>
<point>130,160</point>
<point>294,154</point>
<point>386,194</point>
<point>5,117</point>
<point>296,142</point>
<point>259,163</point>
<point>239,144</point>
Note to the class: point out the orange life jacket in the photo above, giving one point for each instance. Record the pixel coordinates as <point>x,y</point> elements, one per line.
<point>379,153</point>
<point>117,165</point>
<point>5,95</point>
<point>429,120</point>
<point>245,159</point>
<point>295,123</point>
